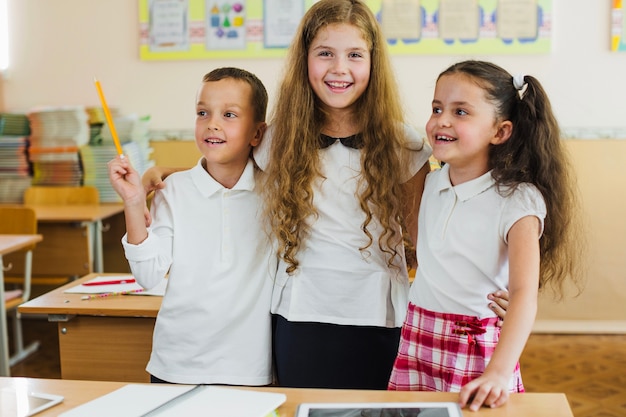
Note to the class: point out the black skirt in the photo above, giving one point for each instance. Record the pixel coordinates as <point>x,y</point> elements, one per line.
<point>322,355</point>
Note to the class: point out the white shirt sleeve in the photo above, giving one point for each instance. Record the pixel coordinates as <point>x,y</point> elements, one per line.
<point>419,151</point>
<point>150,260</point>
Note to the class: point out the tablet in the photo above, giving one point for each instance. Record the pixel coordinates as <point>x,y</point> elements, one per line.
<point>421,409</point>
<point>24,404</point>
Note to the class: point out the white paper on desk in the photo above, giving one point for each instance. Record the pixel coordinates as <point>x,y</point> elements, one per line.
<point>212,401</point>
<point>131,400</point>
<point>159,290</point>
<point>134,400</point>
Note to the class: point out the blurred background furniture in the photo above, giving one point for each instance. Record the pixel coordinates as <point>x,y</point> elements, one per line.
<point>66,250</point>
<point>18,221</point>
<point>10,243</point>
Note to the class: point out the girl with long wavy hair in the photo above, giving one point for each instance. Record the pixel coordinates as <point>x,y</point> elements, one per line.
<point>344,172</point>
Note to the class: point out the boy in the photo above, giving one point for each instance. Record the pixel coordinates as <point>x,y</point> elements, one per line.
<point>208,233</point>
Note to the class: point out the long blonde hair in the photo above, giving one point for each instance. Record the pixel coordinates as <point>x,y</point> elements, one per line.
<point>297,121</point>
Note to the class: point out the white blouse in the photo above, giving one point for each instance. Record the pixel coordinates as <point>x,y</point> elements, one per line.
<point>462,241</point>
<point>214,323</point>
<point>335,282</point>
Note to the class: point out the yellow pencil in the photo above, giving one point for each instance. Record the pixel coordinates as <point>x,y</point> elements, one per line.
<point>110,294</point>
<point>107,114</point>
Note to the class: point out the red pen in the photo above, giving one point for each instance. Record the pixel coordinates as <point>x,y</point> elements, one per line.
<point>112,282</point>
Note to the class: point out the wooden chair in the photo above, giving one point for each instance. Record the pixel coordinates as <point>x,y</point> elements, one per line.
<point>61,195</point>
<point>60,239</point>
<point>22,221</point>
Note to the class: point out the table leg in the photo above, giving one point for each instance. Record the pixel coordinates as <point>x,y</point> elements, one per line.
<point>5,370</point>
<point>94,229</point>
<point>98,249</point>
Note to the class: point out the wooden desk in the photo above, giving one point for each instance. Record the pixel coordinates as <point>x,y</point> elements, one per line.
<point>80,392</point>
<point>90,216</point>
<point>107,339</point>
<point>8,244</point>
<point>66,228</point>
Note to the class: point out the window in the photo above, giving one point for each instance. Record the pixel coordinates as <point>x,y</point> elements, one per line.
<point>4,36</point>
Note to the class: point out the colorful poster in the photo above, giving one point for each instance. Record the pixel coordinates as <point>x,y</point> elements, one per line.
<point>225,25</point>
<point>280,21</point>
<point>264,29</point>
<point>168,25</point>
<point>618,26</point>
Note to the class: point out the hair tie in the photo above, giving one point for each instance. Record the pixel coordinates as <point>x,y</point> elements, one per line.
<point>518,81</point>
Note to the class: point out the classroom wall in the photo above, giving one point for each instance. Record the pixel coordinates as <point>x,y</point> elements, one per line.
<point>58,47</point>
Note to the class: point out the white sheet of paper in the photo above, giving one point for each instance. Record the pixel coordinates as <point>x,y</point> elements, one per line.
<point>214,401</point>
<point>131,400</point>
<point>459,19</point>
<point>159,290</point>
<point>401,19</point>
<point>517,19</point>
<point>134,400</point>
<point>281,21</point>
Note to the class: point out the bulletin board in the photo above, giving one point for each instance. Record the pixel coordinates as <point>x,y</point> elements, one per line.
<point>198,29</point>
<point>618,26</point>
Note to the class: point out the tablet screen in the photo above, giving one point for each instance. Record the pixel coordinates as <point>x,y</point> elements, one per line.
<point>379,410</point>
<point>24,404</point>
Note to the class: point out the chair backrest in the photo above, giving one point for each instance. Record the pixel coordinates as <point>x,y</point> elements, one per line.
<point>18,221</point>
<point>40,194</point>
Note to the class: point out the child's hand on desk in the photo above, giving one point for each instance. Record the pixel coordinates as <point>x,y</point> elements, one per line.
<point>488,390</point>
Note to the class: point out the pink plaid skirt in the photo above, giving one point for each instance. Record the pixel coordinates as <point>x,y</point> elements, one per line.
<point>443,352</point>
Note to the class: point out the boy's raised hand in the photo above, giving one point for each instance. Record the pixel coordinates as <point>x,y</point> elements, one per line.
<point>126,181</point>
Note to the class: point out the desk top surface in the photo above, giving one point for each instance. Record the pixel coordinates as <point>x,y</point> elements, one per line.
<point>11,243</point>
<point>74,213</point>
<point>60,303</point>
<point>80,392</point>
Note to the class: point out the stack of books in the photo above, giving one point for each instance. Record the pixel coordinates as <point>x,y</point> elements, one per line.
<point>14,165</point>
<point>56,135</point>
<point>67,146</point>
<point>133,134</point>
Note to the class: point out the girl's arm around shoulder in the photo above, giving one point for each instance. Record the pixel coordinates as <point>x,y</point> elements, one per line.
<point>418,152</point>
<point>153,178</point>
<point>492,387</point>
<point>413,190</point>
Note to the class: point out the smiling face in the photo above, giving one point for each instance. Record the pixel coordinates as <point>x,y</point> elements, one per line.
<point>225,126</point>
<point>339,67</point>
<point>463,125</point>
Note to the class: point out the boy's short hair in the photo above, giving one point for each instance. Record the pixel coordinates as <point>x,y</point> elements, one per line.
<point>259,93</point>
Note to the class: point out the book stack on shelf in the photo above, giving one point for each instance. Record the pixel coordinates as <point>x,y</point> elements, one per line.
<point>14,165</point>
<point>67,146</point>
<point>56,135</point>
<point>133,133</point>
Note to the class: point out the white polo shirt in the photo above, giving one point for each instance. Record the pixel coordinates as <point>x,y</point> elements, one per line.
<point>462,241</point>
<point>214,324</point>
<point>335,282</point>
